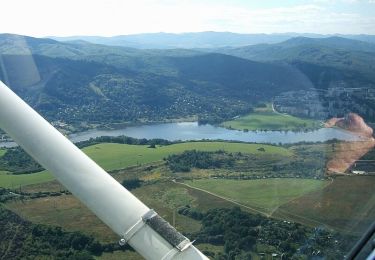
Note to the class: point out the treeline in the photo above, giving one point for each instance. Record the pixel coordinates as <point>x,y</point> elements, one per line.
<point>199,159</point>
<point>18,194</point>
<point>142,141</point>
<point>241,232</point>
<point>123,140</point>
<point>307,163</point>
<point>17,161</point>
<point>21,239</point>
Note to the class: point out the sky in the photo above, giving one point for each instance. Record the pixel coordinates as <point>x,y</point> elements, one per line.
<point>42,18</point>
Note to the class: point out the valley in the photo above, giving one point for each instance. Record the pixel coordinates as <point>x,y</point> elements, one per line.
<point>225,142</point>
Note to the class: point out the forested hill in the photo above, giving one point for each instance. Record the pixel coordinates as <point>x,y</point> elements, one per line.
<point>83,82</point>
<point>134,85</point>
<point>323,60</point>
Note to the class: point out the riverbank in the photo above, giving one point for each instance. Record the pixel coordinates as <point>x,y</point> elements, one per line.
<point>186,131</point>
<point>67,129</point>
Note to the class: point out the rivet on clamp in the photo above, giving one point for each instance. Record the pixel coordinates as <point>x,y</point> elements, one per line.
<point>136,227</point>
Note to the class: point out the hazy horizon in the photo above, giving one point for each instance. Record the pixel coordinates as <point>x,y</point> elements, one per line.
<point>42,18</point>
<point>296,34</point>
<point>188,32</point>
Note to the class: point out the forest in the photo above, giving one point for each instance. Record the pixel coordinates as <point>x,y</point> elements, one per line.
<point>21,239</point>
<point>241,233</point>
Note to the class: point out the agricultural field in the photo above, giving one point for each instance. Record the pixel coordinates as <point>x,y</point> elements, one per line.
<point>66,211</point>
<point>264,195</point>
<point>15,181</point>
<point>267,119</point>
<point>118,156</point>
<point>348,204</point>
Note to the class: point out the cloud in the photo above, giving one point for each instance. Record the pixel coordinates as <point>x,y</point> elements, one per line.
<point>302,18</point>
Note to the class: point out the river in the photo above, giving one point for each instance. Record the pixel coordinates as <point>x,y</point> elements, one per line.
<point>193,131</point>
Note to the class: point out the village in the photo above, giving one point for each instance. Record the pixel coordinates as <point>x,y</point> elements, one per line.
<point>324,104</point>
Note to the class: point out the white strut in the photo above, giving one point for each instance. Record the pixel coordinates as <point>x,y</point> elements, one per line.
<point>101,193</point>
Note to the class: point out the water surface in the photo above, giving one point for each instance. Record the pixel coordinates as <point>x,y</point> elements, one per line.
<point>193,131</point>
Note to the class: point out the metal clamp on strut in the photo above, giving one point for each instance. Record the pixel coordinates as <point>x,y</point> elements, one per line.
<point>135,228</point>
<point>160,226</point>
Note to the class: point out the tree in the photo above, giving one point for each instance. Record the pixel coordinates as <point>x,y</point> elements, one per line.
<point>132,183</point>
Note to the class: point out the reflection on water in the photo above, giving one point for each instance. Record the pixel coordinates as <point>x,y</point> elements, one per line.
<point>192,131</point>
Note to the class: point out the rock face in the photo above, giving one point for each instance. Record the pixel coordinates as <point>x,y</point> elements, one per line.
<point>346,153</point>
<point>353,123</point>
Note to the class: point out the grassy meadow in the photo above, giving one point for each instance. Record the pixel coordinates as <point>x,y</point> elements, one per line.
<point>267,119</point>
<point>264,195</point>
<point>66,211</point>
<point>348,204</point>
<point>14,181</point>
<point>118,156</point>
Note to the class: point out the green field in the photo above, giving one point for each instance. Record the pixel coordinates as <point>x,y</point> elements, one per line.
<point>2,151</point>
<point>118,156</point>
<point>267,119</point>
<point>14,181</point>
<point>66,211</point>
<point>347,204</point>
<point>264,195</point>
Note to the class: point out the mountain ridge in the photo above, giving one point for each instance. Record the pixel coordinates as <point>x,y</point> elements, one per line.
<point>207,39</point>
<point>84,82</point>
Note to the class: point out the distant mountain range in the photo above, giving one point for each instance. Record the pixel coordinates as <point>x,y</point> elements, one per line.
<point>324,60</point>
<point>80,82</point>
<point>200,39</point>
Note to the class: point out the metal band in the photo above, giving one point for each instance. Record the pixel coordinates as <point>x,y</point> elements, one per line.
<point>184,245</point>
<point>166,231</point>
<point>163,228</point>
<point>136,227</point>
